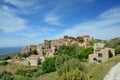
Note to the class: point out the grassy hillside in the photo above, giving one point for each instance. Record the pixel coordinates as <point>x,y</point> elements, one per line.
<point>48,76</point>
<point>97,71</point>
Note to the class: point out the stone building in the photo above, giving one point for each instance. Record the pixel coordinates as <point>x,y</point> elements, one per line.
<point>34,60</point>
<point>28,48</point>
<point>102,54</point>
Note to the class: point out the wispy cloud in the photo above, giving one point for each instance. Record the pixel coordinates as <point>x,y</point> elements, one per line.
<point>30,33</point>
<point>9,22</point>
<point>25,6</point>
<point>53,20</point>
<point>105,26</point>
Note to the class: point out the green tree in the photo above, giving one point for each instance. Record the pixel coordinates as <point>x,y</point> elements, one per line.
<point>60,60</point>
<point>80,39</point>
<point>49,65</point>
<point>117,50</point>
<point>83,53</point>
<point>71,64</point>
<point>69,50</point>
<point>34,52</point>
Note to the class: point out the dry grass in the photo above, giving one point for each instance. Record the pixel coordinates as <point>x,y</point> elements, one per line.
<point>11,67</point>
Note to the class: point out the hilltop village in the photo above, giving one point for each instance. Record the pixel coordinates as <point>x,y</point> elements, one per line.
<point>49,48</point>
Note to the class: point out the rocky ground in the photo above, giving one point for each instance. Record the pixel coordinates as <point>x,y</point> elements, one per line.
<point>114,73</point>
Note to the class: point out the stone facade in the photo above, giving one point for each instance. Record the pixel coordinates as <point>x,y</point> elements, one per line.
<point>102,55</point>
<point>33,60</point>
<point>49,47</point>
<point>28,48</point>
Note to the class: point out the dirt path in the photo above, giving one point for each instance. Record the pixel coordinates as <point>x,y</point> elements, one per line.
<point>114,73</point>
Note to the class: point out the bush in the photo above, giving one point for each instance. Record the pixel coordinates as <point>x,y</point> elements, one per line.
<point>60,60</point>
<point>38,73</point>
<point>117,50</point>
<point>4,75</point>
<point>4,63</point>
<point>49,65</point>
<point>74,74</point>
<point>71,64</point>
<point>6,57</point>
<point>83,53</point>
<point>21,72</point>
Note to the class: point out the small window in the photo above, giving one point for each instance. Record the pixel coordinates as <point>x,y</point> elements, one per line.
<point>99,61</point>
<point>100,55</point>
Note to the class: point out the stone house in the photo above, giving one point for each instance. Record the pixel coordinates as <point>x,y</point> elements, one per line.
<point>102,55</point>
<point>86,38</point>
<point>34,60</point>
<point>28,48</point>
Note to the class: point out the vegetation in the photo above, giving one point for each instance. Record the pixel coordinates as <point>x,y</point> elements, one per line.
<point>71,64</point>
<point>25,55</point>
<point>80,39</point>
<point>6,57</point>
<point>74,74</point>
<point>4,63</point>
<point>60,60</point>
<point>83,53</point>
<point>117,50</point>
<point>4,75</point>
<point>75,51</point>
<point>49,65</point>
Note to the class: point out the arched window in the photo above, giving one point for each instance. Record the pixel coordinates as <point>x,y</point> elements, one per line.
<point>94,59</point>
<point>110,54</point>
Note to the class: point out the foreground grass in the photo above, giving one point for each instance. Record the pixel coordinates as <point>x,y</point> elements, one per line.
<point>11,67</point>
<point>48,76</point>
<point>96,71</point>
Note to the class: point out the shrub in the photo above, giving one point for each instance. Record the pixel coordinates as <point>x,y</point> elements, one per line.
<point>60,60</point>
<point>49,65</point>
<point>38,73</point>
<point>21,72</point>
<point>74,74</point>
<point>117,50</point>
<point>4,75</point>
<point>4,63</point>
<point>6,57</point>
<point>83,53</point>
<point>71,64</point>
<point>69,50</point>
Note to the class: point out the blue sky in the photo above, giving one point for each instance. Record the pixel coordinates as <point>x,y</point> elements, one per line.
<point>24,22</point>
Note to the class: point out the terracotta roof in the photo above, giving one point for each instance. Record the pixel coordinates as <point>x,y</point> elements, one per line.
<point>33,57</point>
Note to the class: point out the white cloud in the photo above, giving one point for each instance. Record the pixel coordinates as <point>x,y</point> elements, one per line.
<point>53,20</point>
<point>32,34</point>
<point>24,6</point>
<point>9,22</point>
<point>30,6</point>
<point>105,26</point>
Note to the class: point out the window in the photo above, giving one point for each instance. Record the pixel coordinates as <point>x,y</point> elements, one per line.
<point>99,61</point>
<point>100,55</point>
